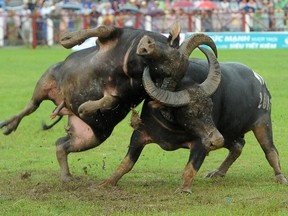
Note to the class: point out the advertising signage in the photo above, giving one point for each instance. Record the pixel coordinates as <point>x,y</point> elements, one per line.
<point>227,40</point>
<point>252,40</point>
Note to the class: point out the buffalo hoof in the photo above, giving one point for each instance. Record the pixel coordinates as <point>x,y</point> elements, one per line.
<point>281,179</point>
<point>184,190</point>
<point>215,174</point>
<point>7,131</point>
<point>67,178</point>
<point>86,109</point>
<point>2,124</point>
<point>107,183</point>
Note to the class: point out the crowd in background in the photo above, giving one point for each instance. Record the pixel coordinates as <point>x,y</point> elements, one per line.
<point>76,14</point>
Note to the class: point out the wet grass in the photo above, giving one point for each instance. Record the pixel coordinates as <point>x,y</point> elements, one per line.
<point>29,172</point>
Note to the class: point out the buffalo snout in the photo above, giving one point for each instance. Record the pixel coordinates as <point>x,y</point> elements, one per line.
<point>214,141</point>
<point>146,46</point>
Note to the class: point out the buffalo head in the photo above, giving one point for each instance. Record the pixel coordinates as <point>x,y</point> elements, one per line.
<point>194,105</point>
<point>168,62</point>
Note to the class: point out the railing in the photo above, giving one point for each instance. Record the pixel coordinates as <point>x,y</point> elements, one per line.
<point>36,30</point>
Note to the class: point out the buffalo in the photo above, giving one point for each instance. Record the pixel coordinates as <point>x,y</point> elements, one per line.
<point>238,103</point>
<point>97,87</point>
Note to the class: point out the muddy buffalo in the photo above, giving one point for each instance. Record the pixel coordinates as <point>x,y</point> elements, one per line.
<point>100,84</point>
<point>236,98</point>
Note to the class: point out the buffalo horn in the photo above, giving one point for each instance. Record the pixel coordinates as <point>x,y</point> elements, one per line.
<point>70,39</point>
<point>210,85</point>
<point>191,43</point>
<point>182,98</point>
<point>174,99</point>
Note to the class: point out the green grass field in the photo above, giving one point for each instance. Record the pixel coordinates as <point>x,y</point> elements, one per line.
<point>29,172</point>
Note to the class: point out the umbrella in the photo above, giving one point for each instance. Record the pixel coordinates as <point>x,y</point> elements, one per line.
<point>156,12</point>
<point>129,8</point>
<point>248,9</point>
<point>71,6</point>
<point>183,4</point>
<point>206,5</point>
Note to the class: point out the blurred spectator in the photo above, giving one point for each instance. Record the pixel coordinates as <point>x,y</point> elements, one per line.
<point>158,17</point>
<point>259,4</point>
<point>206,21</point>
<point>252,4</point>
<point>170,18</point>
<point>31,5</point>
<point>2,26</point>
<point>107,9</point>
<point>85,13</point>
<point>224,20</point>
<point>56,17</point>
<point>115,5</point>
<point>260,20</point>
<point>235,25</point>
<point>161,5</point>
<point>279,19</point>
<point>143,7</point>
<point>71,20</point>
<point>225,6</point>
<point>43,9</point>
<point>26,24</point>
<point>13,25</point>
<point>271,18</point>
<point>217,3</point>
<point>129,19</point>
<point>182,18</point>
<point>285,7</point>
<point>64,20</point>
<point>151,5</point>
<point>265,5</point>
<point>107,13</point>
<point>156,10</point>
<point>217,21</point>
<point>234,7</point>
<point>86,10</point>
<point>242,4</point>
<point>94,15</point>
<point>167,6</point>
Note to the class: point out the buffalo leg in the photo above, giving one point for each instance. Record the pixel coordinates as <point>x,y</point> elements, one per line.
<point>90,107</point>
<point>70,39</point>
<point>137,143</point>
<point>80,138</point>
<point>12,123</point>
<point>263,133</point>
<point>46,89</point>
<point>235,151</point>
<point>197,156</point>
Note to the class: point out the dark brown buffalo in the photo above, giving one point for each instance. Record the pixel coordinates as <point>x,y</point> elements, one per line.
<point>239,103</point>
<point>100,84</point>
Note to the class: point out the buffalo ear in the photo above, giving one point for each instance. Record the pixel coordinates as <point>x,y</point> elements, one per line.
<point>174,35</point>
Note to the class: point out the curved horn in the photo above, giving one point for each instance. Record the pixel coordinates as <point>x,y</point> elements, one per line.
<point>194,41</point>
<point>174,99</point>
<point>70,39</point>
<point>182,98</point>
<point>210,85</point>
